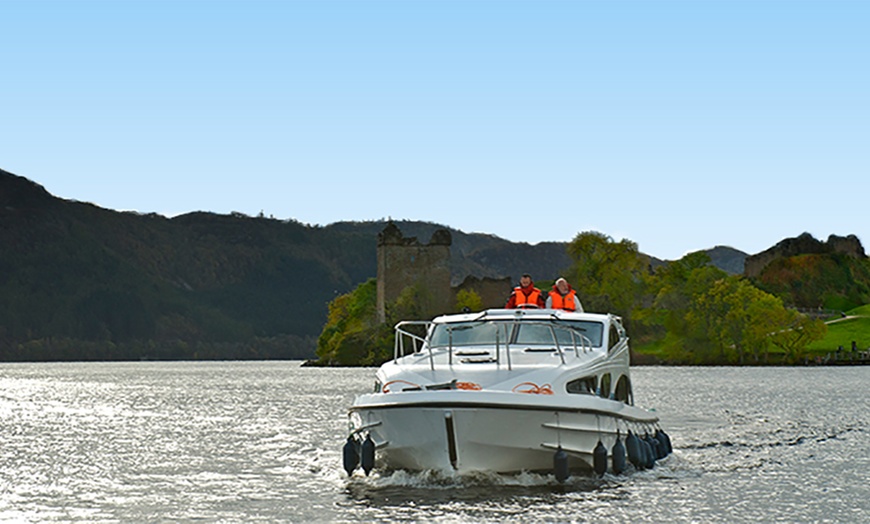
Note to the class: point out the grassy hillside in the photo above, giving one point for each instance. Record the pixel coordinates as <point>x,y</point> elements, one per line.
<point>831,281</point>
<point>840,333</point>
<point>843,332</point>
<point>860,311</point>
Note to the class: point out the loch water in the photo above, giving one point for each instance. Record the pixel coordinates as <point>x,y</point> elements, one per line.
<point>261,441</point>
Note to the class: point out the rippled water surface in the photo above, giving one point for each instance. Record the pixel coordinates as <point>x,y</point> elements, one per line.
<point>246,441</point>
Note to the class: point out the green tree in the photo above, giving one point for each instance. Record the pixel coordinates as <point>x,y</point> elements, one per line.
<point>737,319</point>
<point>468,299</point>
<point>414,302</point>
<point>353,335</point>
<point>752,317</point>
<point>607,275</point>
<point>675,288</point>
<point>801,330</point>
<point>351,331</point>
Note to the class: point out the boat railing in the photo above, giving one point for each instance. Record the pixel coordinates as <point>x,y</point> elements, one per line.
<point>585,343</point>
<point>406,339</point>
<point>416,341</point>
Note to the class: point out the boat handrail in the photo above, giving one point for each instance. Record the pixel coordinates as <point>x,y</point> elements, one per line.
<point>399,344</point>
<point>583,340</point>
<point>419,342</point>
<point>556,341</point>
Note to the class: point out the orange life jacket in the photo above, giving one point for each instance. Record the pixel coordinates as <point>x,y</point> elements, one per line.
<point>568,302</point>
<point>523,299</point>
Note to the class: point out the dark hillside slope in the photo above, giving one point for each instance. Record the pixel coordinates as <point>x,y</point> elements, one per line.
<point>727,259</point>
<point>147,286</point>
<point>127,286</point>
<point>74,270</point>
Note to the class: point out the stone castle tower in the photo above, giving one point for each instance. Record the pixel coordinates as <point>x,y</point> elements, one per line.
<point>404,262</point>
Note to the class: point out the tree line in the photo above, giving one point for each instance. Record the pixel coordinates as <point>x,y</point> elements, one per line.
<point>695,312</point>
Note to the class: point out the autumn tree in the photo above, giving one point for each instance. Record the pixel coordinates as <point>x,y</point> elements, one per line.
<point>353,335</point>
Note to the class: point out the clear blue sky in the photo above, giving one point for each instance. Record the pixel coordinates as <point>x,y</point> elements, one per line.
<point>678,125</point>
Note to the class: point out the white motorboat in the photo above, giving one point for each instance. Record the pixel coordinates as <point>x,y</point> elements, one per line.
<point>505,390</point>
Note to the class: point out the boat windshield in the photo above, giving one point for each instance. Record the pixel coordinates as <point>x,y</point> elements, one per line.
<point>567,333</point>
<point>466,334</point>
<point>478,333</point>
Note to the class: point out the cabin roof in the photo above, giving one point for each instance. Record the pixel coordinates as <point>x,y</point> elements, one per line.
<point>522,314</point>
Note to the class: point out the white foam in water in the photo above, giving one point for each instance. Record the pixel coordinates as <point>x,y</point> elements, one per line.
<point>436,480</point>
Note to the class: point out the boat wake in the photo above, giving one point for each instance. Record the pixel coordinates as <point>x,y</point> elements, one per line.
<point>432,479</point>
<point>496,497</point>
<point>431,488</point>
<point>787,440</point>
<point>437,480</point>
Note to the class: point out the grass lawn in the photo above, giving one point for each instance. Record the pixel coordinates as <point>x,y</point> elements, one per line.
<point>840,333</point>
<point>843,332</point>
<point>858,311</point>
<point>655,348</point>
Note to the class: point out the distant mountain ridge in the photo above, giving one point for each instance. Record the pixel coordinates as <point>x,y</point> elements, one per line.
<point>205,283</point>
<point>727,259</point>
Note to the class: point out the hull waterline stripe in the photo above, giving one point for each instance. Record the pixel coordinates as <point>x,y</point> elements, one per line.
<point>512,407</point>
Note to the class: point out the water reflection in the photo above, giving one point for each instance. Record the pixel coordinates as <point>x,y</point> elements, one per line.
<point>241,441</point>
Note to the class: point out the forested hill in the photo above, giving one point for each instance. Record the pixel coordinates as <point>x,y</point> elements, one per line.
<point>199,285</point>
<point>79,282</point>
<point>72,270</point>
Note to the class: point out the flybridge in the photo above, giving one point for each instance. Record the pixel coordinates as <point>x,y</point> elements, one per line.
<point>496,339</point>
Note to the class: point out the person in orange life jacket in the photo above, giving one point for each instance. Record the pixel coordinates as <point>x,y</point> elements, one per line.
<point>563,297</point>
<point>525,295</point>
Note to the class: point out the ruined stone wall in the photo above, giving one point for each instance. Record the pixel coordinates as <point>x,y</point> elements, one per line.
<point>849,246</point>
<point>493,292</point>
<point>404,262</point>
<point>805,244</point>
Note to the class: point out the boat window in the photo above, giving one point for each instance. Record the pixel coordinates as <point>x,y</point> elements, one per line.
<point>605,386</point>
<point>582,386</point>
<point>623,390</point>
<point>534,334</point>
<point>567,333</point>
<point>465,334</point>
<point>481,333</point>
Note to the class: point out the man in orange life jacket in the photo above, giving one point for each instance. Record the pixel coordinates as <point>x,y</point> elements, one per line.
<point>525,295</point>
<point>563,297</point>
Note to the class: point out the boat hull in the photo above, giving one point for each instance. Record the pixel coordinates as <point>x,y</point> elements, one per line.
<point>500,432</point>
